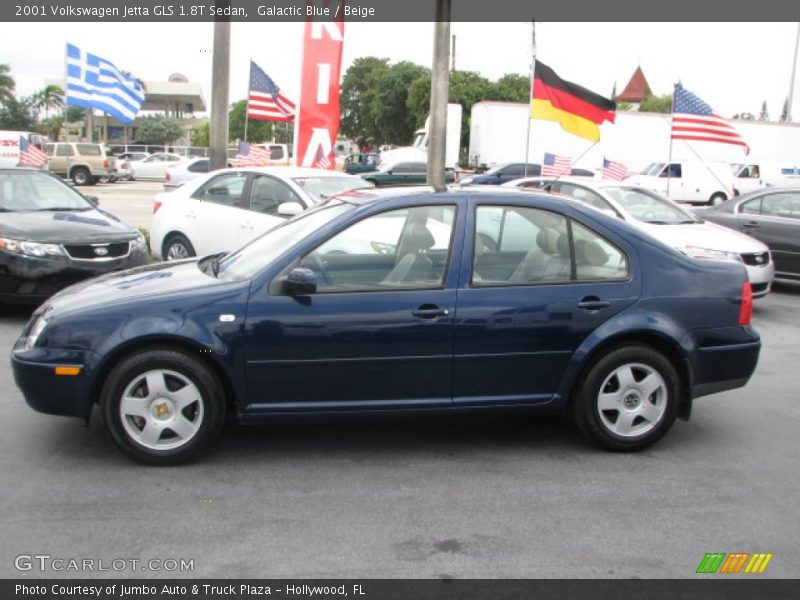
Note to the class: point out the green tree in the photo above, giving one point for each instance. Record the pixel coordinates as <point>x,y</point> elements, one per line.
<point>17,114</point>
<point>7,83</point>
<point>75,113</point>
<point>158,130</point>
<point>50,96</point>
<point>764,114</point>
<point>512,88</point>
<point>391,120</point>
<point>656,104</point>
<point>258,130</point>
<point>357,96</point>
<point>201,136</point>
<point>785,111</point>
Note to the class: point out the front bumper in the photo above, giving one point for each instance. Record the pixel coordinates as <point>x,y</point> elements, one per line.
<point>26,279</point>
<point>760,277</point>
<point>44,391</point>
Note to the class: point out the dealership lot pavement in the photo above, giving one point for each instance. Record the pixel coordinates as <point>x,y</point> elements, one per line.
<point>131,201</point>
<point>463,497</point>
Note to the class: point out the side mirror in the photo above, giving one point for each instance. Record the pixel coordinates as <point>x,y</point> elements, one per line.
<point>93,200</point>
<point>289,209</point>
<point>301,282</point>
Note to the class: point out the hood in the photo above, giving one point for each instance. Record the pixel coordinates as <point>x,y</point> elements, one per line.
<point>139,284</point>
<point>703,235</point>
<point>65,227</point>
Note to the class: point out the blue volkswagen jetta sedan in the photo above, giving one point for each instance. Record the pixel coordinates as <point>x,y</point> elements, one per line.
<point>459,301</point>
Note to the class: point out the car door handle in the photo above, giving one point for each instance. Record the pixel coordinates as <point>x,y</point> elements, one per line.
<point>191,215</point>
<point>593,303</point>
<point>247,226</point>
<point>430,311</point>
<point>751,225</point>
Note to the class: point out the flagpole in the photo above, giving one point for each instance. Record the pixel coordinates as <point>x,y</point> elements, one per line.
<point>533,76</point>
<point>247,102</point>
<point>671,124</point>
<point>66,110</point>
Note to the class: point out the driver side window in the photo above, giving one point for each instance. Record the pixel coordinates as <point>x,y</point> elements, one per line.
<point>267,194</point>
<point>406,248</point>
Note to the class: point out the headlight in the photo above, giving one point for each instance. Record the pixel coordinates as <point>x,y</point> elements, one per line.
<point>35,331</point>
<point>26,248</point>
<point>140,244</point>
<point>709,254</point>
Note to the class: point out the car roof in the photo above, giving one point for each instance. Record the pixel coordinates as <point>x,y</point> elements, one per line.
<point>289,171</point>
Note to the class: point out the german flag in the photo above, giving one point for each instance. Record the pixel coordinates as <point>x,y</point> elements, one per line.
<point>578,110</point>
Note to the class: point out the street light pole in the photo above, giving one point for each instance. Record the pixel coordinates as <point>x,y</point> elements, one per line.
<point>440,85</point>
<point>220,77</point>
<point>790,98</point>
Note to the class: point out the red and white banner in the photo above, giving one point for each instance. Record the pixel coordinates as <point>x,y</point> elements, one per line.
<point>317,123</point>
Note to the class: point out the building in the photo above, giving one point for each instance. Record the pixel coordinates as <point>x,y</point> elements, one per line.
<point>636,90</point>
<point>177,98</point>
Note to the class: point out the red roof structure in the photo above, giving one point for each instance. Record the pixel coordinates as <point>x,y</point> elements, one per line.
<point>636,89</point>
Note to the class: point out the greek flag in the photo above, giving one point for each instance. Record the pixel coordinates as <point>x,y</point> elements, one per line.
<point>94,82</point>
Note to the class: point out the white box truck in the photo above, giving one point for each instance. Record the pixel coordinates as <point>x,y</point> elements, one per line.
<point>418,151</point>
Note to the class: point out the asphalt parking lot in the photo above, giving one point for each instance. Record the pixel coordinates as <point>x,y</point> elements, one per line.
<point>463,497</point>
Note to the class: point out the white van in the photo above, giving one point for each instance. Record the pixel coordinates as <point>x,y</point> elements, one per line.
<point>694,182</point>
<point>752,176</point>
<point>9,146</point>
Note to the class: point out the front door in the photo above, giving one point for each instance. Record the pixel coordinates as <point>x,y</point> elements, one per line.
<point>378,333</point>
<point>775,220</point>
<point>540,284</point>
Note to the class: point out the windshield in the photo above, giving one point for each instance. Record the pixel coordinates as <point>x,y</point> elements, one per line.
<point>247,261</point>
<point>649,208</point>
<point>653,169</point>
<point>494,170</point>
<point>31,190</point>
<point>420,139</point>
<point>322,188</point>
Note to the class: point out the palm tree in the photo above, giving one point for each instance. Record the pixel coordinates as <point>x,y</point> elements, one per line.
<point>50,96</point>
<point>7,83</point>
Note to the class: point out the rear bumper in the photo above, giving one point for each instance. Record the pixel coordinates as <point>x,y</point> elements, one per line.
<point>725,361</point>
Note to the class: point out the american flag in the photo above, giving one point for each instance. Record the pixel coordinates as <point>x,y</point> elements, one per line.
<point>30,155</point>
<point>614,170</point>
<point>266,100</point>
<point>321,161</point>
<point>556,166</point>
<point>693,120</point>
<point>251,156</point>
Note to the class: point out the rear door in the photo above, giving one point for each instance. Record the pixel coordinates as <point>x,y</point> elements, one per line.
<point>538,283</point>
<point>774,218</point>
<point>215,213</point>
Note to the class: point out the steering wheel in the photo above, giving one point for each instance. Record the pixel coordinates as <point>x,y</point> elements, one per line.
<point>319,267</point>
<point>487,242</point>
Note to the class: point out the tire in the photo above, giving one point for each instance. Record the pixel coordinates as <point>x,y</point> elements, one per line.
<point>104,179</point>
<point>81,176</point>
<point>621,417</point>
<point>717,198</point>
<point>177,247</point>
<point>162,406</point>
<point>373,182</point>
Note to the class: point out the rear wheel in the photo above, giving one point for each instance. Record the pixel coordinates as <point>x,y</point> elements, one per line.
<point>81,176</point>
<point>162,406</point>
<point>628,399</point>
<point>177,247</point>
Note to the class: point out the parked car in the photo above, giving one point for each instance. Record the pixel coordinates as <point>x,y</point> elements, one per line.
<point>125,164</point>
<point>179,173</point>
<point>155,165</point>
<point>52,236</point>
<point>225,209</point>
<point>771,215</point>
<point>283,326</point>
<point>81,162</point>
<point>404,173</point>
<point>690,181</point>
<point>361,163</point>
<point>668,222</point>
<point>503,173</point>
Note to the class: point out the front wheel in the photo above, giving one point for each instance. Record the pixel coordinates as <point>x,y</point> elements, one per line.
<point>628,399</point>
<point>162,407</point>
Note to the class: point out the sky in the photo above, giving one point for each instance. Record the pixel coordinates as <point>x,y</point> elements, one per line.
<point>734,67</point>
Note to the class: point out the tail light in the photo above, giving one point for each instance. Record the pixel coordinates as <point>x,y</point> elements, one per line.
<point>156,206</point>
<point>124,166</point>
<point>746,310</point>
<point>105,164</point>
<point>167,177</point>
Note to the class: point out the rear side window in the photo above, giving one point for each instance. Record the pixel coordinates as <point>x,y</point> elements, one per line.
<point>224,189</point>
<point>64,150</point>
<point>201,166</point>
<point>527,246</point>
<point>786,205</point>
<point>88,149</point>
